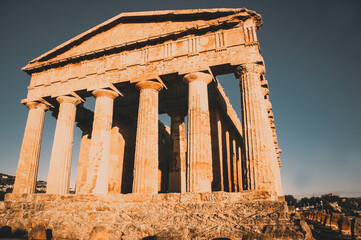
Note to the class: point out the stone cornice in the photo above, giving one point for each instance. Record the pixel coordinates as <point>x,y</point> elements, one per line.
<point>233,19</point>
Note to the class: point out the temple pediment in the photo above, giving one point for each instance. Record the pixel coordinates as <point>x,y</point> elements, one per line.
<point>136,30</point>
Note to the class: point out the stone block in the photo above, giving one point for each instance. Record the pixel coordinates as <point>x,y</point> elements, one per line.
<point>335,221</point>
<point>323,217</point>
<point>328,220</point>
<point>99,233</point>
<point>357,228</point>
<point>345,225</point>
<point>37,233</point>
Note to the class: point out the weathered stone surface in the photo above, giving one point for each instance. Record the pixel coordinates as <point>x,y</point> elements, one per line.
<point>199,133</point>
<point>99,233</point>
<point>345,225</point>
<point>97,217</point>
<point>255,121</point>
<point>328,220</point>
<point>97,177</point>
<point>335,221</point>
<point>27,170</point>
<point>323,217</point>
<point>177,165</point>
<point>60,160</point>
<point>357,228</point>
<point>146,159</point>
<point>37,233</point>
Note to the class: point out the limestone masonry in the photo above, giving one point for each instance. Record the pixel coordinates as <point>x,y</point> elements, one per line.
<point>137,177</point>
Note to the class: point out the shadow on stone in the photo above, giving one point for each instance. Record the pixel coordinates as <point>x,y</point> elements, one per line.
<point>150,238</point>
<point>6,232</point>
<point>49,234</point>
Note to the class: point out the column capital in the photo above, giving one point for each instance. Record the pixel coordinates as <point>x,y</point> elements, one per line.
<point>249,67</point>
<point>105,93</point>
<point>156,86</point>
<point>36,105</point>
<point>68,99</point>
<point>197,76</point>
<point>177,114</point>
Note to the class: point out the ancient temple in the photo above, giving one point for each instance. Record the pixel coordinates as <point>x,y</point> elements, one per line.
<point>137,66</point>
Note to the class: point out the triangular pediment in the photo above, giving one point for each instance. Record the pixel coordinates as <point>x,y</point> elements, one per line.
<point>137,29</point>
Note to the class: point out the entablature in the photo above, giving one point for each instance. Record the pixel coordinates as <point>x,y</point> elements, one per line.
<point>220,50</point>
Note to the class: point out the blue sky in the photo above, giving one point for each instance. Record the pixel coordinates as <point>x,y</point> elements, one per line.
<point>312,54</point>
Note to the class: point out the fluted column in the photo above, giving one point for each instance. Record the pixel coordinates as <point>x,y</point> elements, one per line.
<point>199,133</point>
<point>235,168</point>
<point>60,160</point>
<point>254,120</point>
<point>146,149</point>
<point>97,176</point>
<point>83,161</point>
<point>177,164</point>
<point>228,161</point>
<point>27,171</point>
<point>239,168</point>
<point>220,149</point>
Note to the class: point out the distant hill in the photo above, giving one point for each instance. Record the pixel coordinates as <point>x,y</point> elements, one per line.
<point>329,202</point>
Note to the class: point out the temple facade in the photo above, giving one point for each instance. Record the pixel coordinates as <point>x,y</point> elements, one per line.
<point>140,65</point>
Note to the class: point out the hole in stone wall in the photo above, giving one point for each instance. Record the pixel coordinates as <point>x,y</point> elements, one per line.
<point>49,234</point>
<point>5,231</point>
<point>150,238</point>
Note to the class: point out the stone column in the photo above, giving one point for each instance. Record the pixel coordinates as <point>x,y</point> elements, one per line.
<point>27,171</point>
<point>97,176</point>
<point>146,149</point>
<point>220,148</point>
<point>199,133</point>
<point>83,161</point>
<point>116,159</point>
<point>60,160</point>
<point>235,168</point>
<point>254,120</point>
<point>240,168</point>
<point>228,161</point>
<point>177,165</point>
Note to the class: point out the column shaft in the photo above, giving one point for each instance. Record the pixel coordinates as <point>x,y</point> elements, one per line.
<point>240,168</point>
<point>235,166</point>
<point>199,137</point>
<point>97,177</point>
<point>83,161</point>
<point>177,165</point>
<point>60,160</point>
<point>116,159</point>
<point>220,149</point>
<point>146,149</point>
<point>27,171</point>
<point>228,161</point>
<point>254,120</point>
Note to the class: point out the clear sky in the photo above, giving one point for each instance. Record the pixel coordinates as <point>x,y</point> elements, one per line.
<point>312,52</point>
